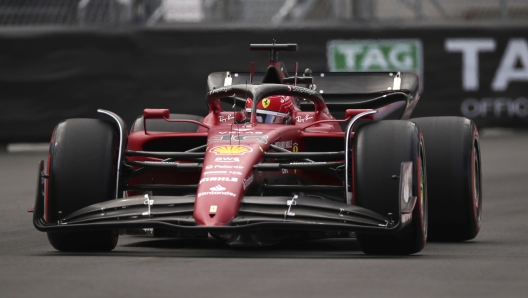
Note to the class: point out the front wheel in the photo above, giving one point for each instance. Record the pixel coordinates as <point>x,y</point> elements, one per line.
<point>379,150</point>
<point>82,172</point>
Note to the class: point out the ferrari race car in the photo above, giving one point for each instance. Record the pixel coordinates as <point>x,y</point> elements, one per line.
<point>268,163</point>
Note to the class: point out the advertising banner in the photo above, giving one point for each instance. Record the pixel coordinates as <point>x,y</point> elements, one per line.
<point>376,55</point>
<point>482,78</point>
<point>493,80</point>
<point>47,75</point>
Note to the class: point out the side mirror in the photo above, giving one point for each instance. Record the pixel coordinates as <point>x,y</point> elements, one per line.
<point>350,113</point>
<point>154,114</point>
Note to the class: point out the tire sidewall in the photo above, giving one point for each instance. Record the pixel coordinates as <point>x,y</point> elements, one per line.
<point>379,150</point>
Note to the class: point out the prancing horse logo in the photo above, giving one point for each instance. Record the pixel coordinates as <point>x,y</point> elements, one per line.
<point>266,102</point>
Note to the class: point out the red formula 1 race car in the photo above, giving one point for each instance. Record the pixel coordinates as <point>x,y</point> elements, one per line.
<point>268,163</point>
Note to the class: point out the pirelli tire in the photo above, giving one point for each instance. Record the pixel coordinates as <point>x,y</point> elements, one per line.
<point>454,173</point>
<point>82,171</point>
<point>379,150</point>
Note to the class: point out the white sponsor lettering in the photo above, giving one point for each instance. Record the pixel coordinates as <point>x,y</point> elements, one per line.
<point>301,119</point>
<point>216,193</point>
<point>470,48</point>
<point>227,159</point>
<point>473,108</point>
<point>222,173</point>
<point>350,52</point>
<point>375,55</point>
<point>224,119</point>
<point>513,66</point>
<point>374,58</point>
<point>215,172</point>
<point>224,167</point>
<point>516,51</point>
<point>401,56</point>
<point>218,90</point>
<point>223,179</point>
<point>301,90</point>
<point>217,188</point>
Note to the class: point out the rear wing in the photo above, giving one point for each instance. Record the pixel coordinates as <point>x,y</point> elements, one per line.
<point>341,90</point>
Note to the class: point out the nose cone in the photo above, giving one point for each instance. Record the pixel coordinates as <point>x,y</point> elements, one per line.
<point>216,204</point>
<point>225,175</point>
<point>228,170</point>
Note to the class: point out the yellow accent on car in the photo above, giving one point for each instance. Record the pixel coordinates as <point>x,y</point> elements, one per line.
<point>228,150</point>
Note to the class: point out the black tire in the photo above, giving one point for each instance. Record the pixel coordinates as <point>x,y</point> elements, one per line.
<point>164,126</point>
<point>379,150</point>
<point>454,172</point>
<point>93,241</point>
<point>82,169</point>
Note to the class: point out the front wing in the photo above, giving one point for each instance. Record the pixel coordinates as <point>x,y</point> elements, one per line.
<point>255,213</point>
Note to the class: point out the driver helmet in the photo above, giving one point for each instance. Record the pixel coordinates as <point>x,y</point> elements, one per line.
<point>272,109</point>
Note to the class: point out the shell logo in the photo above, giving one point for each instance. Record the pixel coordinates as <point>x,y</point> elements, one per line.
<point>231,150</point>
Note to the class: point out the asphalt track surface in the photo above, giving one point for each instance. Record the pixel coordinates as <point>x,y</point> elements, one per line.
<point>495,264</point>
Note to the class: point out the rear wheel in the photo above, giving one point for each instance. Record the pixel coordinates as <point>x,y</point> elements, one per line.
<point>82,169</point>
<point>379,150</point>
<point>453,168</point>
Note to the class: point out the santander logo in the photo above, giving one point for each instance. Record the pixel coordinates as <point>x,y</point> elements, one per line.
<point>217,188</point>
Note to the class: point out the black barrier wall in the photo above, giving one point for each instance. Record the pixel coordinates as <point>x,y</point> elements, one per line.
<point>48,75</point>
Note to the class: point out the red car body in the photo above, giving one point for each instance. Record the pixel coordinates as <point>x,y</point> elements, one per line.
<point>241,180</point>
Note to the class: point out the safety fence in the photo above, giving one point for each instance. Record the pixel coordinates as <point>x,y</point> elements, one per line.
<point>298,12</point>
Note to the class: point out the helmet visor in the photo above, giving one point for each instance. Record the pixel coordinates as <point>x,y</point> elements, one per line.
<point>269,117</point>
